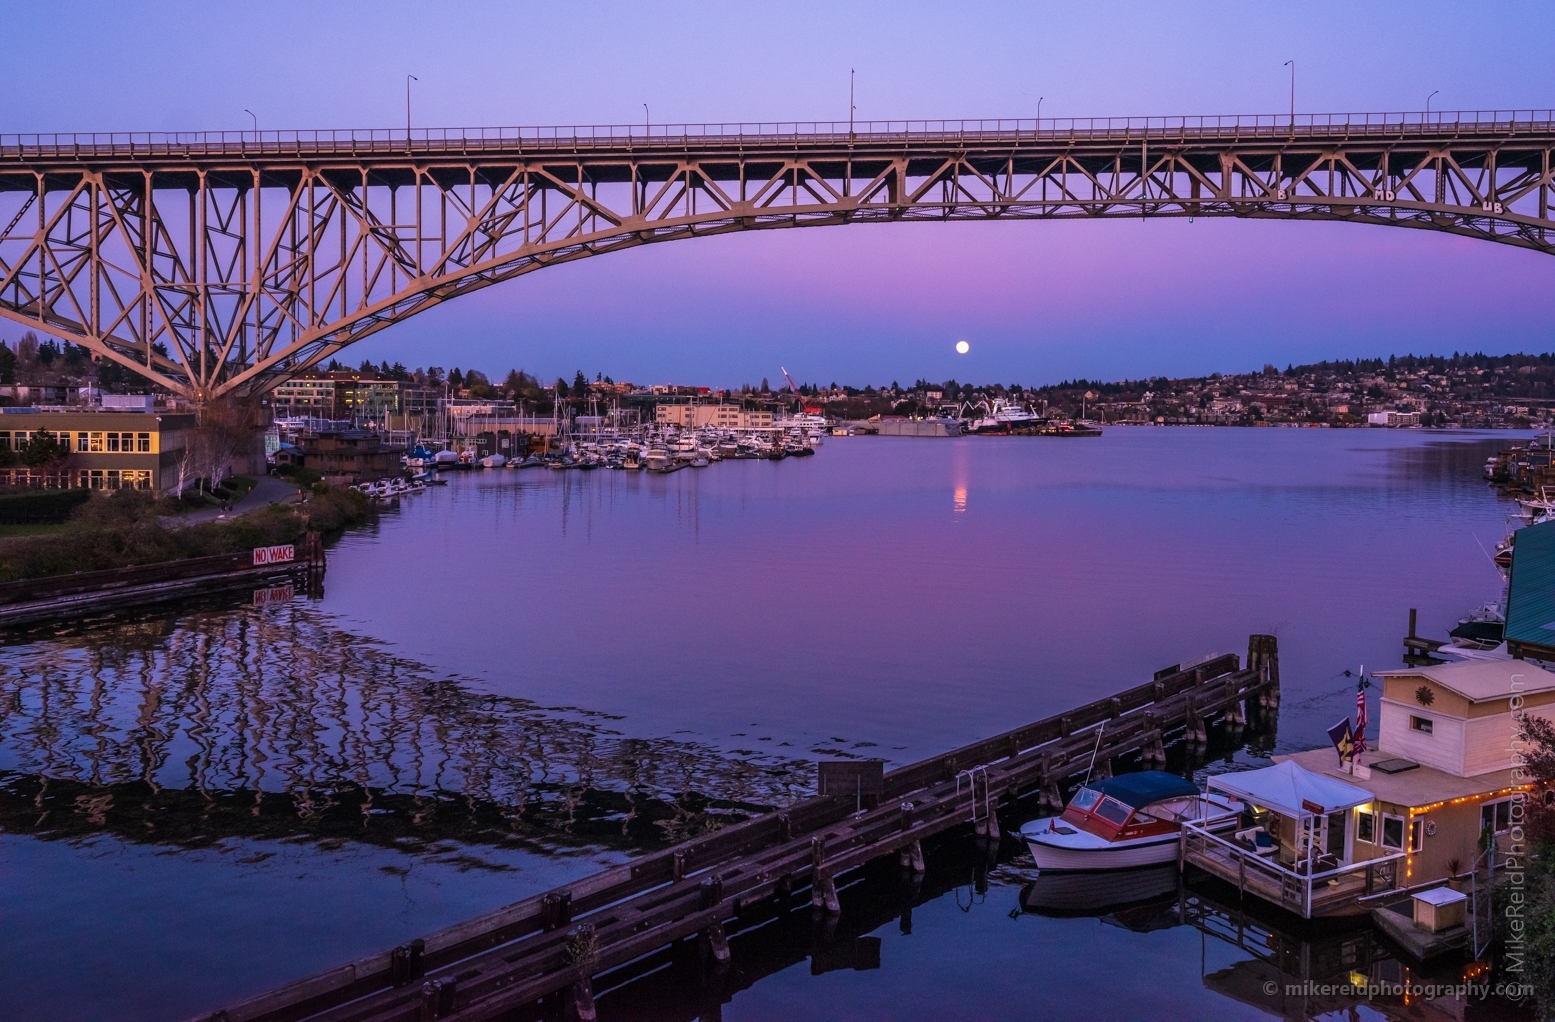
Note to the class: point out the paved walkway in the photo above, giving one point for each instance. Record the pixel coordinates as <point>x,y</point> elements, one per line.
<point>270,490</point>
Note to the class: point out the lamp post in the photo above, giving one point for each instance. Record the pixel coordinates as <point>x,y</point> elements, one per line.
<point>408,80</point>
<point>851,107</point>
<point>256,124</point>
<point>647,121</point>
<point>1428,104</point>
<point>1292,65</point>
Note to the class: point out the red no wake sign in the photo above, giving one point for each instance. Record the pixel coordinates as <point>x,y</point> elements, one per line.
<point>274,554</point>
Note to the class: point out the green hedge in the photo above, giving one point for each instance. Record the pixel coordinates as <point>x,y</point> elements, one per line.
<point>124,527</point>
<point>41,506</point>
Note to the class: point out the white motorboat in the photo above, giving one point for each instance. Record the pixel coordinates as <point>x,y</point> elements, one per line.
<point>445,458</point>
<point>1126,821</point>
<point>493,461</point>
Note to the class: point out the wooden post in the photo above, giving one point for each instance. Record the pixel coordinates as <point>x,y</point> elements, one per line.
<point>1193,722</point>
<point>1412,613</point>
<point>1263,656</point>
<point>582,1001</point>
<point>717,942</point>
<point>438,998</point>
<point>405,964</point>
<point>823,889</point>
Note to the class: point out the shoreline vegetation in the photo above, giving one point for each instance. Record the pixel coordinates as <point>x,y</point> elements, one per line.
<point>121,528</point>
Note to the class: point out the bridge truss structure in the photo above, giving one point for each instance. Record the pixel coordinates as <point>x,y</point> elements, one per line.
<point>221,263</point>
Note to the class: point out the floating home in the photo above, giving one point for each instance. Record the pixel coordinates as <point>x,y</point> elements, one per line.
<point>1320,839</point>
<point>1445,771</point>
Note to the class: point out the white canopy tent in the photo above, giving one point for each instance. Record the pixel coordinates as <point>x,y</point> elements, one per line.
<point>1292,790</point>
<point>1306,799</point>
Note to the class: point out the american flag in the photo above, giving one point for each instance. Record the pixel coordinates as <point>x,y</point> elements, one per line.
<point>1358,743</point>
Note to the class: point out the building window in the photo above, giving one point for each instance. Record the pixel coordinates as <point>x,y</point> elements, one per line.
<point>1393,832</point>
<point>113,443</point>
<point>1496,816</point>
<point>1423,725</point>
<point>81,442</point>
<point>5,440</point>
<point>143,442</point>
<point>1365,826</point>
<point>97,443</point>
<point>113,479</point>
<point>1416,835</point>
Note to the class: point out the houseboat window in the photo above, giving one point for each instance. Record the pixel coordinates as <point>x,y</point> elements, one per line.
<point>1420,724</point>
<point>1365,827</point>
<point>1393,832</point>
<point>1085,798</point>
<point>1113,811</point>
<point>1496,816</point>
<point>1416,835</point>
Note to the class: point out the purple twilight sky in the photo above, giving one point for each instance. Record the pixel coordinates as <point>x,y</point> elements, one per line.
<point>1037,301</point>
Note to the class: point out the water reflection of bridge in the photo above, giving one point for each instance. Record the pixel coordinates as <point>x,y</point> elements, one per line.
<point>277,720</point>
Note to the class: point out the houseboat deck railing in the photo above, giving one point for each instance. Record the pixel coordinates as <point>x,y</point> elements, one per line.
<point>1306,894</point>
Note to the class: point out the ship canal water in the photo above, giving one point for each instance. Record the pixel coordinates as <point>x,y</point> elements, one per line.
<point>523,676</point>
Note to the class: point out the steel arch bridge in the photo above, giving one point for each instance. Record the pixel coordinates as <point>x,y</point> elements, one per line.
<point>217,263</point>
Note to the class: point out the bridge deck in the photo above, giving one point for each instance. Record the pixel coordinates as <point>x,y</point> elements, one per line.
<point>561,939</point>
<point>1438,126</point>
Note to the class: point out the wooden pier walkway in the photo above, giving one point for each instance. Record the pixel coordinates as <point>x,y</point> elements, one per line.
<point>556,943</point>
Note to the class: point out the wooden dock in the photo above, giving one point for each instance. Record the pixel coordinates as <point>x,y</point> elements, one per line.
<point>94,593</point>
<point>555,944</point>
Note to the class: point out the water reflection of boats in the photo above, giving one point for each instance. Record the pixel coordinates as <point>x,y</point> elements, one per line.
<point>1090,893</point>
<point>1288,968</point>
<point>1125,821</point>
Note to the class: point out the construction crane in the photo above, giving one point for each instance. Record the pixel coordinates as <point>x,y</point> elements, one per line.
<point>808,409</point>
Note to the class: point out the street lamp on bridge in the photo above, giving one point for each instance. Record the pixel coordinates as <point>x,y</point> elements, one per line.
<point>408,80</point>
<point>256,123</point>
<point>1428,104</point>
<point>1292,65</point>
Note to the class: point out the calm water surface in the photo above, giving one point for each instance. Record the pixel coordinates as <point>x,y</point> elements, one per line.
<point>524,675</point>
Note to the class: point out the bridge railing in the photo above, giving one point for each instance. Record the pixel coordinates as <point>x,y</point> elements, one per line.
<point>367,141</point>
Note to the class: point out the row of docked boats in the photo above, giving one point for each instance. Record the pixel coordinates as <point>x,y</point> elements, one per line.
<point>396,486</point>
<point>654,449</point>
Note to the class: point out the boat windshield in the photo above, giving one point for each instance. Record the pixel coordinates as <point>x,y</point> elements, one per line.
<point>1084,799</point>
<point>1113,811</point>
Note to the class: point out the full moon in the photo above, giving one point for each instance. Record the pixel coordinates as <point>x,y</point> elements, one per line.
<point>962,347</point>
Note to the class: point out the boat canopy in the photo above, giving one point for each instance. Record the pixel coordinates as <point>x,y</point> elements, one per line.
<point>1292,790</point>
<point>1138,790</point>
